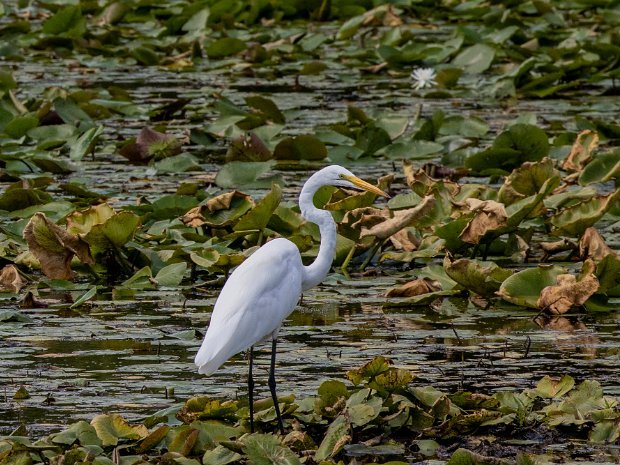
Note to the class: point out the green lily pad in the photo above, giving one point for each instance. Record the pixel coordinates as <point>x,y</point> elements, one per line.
<point>336,437</point>
<point>601,169</point>
<point>302,147</point>
<point>112,428</point>
<point>524,287</point>
<point>483,278</point>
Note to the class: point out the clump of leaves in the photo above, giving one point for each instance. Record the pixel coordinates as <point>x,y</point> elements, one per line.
<point>381,414</point>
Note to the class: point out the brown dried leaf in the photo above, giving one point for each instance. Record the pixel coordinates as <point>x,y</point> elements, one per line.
<point>54,247</point>
<point>421,183</point>
<point>568,291</point>
<point>581,151</point>
<point>10,279</point>
<point>490,216</point>
<point>592,245</point>
<point>416,287</point>
<point>223,201</point>
<point>30,301</point>
<point>193,218</point>
<point>405,240</point>
<point>400,220</point>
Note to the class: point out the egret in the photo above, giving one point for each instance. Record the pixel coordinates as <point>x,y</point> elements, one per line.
<point>266,287</point>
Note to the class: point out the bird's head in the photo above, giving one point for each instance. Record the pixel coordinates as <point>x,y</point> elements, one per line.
<point>335,175</point>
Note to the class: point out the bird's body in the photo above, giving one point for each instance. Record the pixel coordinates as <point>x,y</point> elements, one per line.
<point>265,288</point>
<point>252,304</point>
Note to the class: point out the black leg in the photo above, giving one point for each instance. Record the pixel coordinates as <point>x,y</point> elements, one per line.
<point>272,385</point>
<point>251,392</point>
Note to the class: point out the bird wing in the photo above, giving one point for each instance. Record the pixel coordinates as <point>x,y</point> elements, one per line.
<point>257,297</point>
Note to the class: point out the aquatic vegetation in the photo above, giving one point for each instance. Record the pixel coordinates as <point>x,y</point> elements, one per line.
<point>379,415</point>
<point>149,148</point>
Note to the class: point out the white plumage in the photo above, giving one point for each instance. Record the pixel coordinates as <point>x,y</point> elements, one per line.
<point>264,289</point>
<point>251,307</point>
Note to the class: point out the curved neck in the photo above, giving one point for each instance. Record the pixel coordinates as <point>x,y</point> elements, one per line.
<point>316,272</point>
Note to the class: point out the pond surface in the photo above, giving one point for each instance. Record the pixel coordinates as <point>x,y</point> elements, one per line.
<point>134,354</point>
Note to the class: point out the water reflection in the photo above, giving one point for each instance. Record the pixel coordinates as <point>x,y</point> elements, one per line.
<point>130,357</point>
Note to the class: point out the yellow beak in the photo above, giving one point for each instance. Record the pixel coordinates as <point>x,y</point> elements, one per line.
<point>366,186</point>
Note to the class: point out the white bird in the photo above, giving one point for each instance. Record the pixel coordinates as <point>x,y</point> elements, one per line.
<point>265,288</point>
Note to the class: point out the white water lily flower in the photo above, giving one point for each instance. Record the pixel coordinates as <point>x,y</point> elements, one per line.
<point>423,77</point>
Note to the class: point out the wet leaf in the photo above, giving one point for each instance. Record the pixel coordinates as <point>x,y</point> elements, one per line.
<point>602,169</point>
<point>224,47</point>
<point>54,247</point>
<point>525,286</point>
<point>336,437</point>
<point>581,151</point>
<point>302,147</point>
<point>574,220</point>
<point>85,143</point>
<point>267,449</point>
<point>483,278</point>
<point>605,432</point>
<point>520,143</point>
<point>475,59</point>
<point>171,275</point>
<point>526,180</point>
<point>567,292</point>
<point>489,216</point>
<point>113,427</point>
<point>416,287</point>
<point>550,388</point>
<point>11,279</point>
<point>368,371</point>
<point>81,432</point>
<point>399,220</point>
<point>246,174</point>
<point>151,145</point>
<point>592,245</point>
<point>258,217</point>
<point>21,394</point>
<point>67,21</point>
<point>220,456</point>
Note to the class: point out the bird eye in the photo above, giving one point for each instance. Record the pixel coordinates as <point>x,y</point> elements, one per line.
<point>341,176</point>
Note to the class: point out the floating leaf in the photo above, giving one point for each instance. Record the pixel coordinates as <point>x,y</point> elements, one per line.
<point>416,287</point>
<point>475,59</point>
<point>525,286</point>
<point>336,437</point>
<point>11,279</point>
<point>113,427</point>
<point>224,47</point>
<point>601,169</point>
<point>550,388</point>
<point>568,291</point>
<point>489,216</point>
<point>302,147</point>
<point>85,143</point>
<point>260,214</point>
<point>483,278</point>
<point>266,449</point>
<point>581,151</point>
<point>574,220</point>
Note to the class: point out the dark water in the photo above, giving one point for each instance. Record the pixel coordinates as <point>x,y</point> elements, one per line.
<point>135,356</point>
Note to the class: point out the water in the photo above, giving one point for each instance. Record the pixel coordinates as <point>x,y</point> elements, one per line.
<point>134,354</point>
